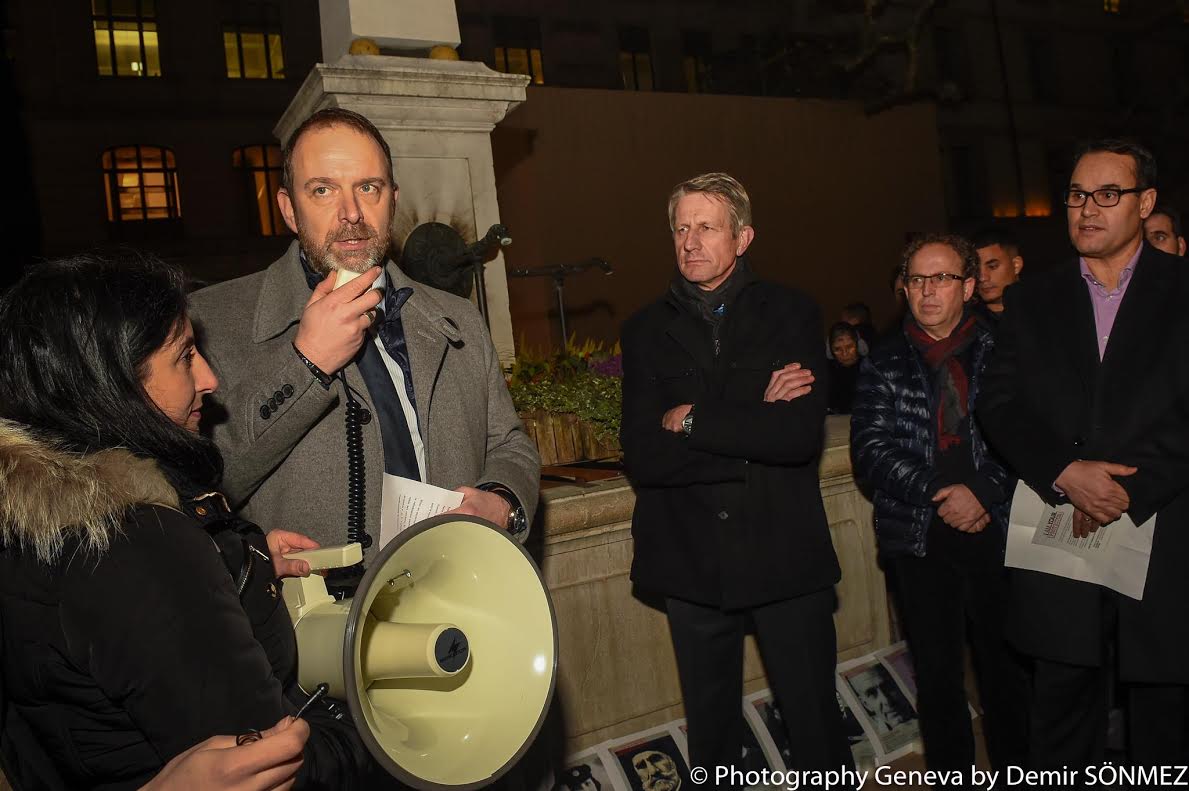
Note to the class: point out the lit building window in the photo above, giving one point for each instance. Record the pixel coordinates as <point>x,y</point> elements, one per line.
<point>695,59</point>
<point>262,165</point>
<point>518,47</point>
<point>252,45</point>
<point>635,59</point>
<point>1111,6</point>
<point>126,38</point>
<point>141,183</point>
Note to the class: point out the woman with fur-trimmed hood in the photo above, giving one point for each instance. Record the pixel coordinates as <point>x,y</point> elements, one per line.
<point>138,615</point>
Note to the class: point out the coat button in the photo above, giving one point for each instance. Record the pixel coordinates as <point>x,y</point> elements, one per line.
<point>1078,442</point>
<point>279,396</point>
<point>723,515</point>
<point>272,403</point>
<point>365,417</point>
<point>287,390</point>
<point>265,412</point>
<point>200,510</point>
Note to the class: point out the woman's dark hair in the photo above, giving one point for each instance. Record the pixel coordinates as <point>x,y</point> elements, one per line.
<point>843,328</point>
<point>75,337</point>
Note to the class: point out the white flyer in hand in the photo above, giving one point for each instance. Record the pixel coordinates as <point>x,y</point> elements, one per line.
<point>406,502</point>
<point>1040,538</point>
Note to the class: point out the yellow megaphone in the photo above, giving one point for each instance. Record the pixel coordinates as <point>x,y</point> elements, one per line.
<point>446,656</point>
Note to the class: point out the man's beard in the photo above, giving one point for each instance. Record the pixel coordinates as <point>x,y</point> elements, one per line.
<point>323,257</point>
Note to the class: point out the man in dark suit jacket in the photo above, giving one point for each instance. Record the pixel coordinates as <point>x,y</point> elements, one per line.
<point>729,523</point>
<point>1087,397</point>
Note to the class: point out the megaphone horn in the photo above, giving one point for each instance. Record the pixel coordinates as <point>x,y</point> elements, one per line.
<point>446,656</point>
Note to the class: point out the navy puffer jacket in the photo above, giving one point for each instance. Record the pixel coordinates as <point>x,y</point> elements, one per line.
<point>893,441</point>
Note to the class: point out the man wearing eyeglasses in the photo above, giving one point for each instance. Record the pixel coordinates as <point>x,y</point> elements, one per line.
<point>941,502</point>
<point>1087,397</point>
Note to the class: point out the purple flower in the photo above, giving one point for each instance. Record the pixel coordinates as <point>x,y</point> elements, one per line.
<point>610,366</point>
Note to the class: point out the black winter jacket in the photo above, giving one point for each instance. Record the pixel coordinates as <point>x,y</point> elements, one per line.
<point>893,440</point>
<point>124,639</point>
<point>732,515</point>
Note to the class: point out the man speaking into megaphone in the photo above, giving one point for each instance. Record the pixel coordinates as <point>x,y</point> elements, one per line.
<point>321,384</point>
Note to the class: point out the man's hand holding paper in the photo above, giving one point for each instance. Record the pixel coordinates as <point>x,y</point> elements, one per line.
<point>1093,490</point>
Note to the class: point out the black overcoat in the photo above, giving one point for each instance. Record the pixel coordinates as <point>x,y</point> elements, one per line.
<point>1047,400</point>
<point>732,515</point>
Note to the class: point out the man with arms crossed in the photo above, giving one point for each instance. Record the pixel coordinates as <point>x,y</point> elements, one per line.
<point>1087,397</point>
<point>729,524</point>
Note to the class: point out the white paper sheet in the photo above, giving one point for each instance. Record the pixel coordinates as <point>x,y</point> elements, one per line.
<point>1039,537</point>
<point>406,502</point>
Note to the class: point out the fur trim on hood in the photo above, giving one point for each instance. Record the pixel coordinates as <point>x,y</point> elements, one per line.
<point>48,494</point>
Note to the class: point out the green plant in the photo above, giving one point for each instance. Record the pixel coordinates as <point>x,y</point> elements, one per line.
<point>585,380</point>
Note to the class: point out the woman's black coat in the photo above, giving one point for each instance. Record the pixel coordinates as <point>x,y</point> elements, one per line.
<point>125,640</point>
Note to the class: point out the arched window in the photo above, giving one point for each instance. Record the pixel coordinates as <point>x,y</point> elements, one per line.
<point>141,184</point>
<point>262,166</point>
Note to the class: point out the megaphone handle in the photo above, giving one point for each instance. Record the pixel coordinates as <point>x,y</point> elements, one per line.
<point>337,557</point>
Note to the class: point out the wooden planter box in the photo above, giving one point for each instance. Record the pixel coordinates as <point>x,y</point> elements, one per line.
<point>562,438</point>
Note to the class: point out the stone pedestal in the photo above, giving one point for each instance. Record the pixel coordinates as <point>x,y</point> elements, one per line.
<point>437,117</point>
<point>617,674</point>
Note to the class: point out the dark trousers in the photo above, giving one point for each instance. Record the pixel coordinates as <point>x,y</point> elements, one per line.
<point>1068,715</point>
<point>955,593</point>
<point>797,643</point>
<point>1070,705</point>
<point>1069,718</point>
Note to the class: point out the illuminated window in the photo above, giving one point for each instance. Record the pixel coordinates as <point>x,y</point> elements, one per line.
<point>635,59</point>
<point>126,38</point>
<point>262,165</point>
<point>1111,6</point>
<point>695,59</point>
<point>252,44</point>
<point>141,183</point>
<point>518,47</point>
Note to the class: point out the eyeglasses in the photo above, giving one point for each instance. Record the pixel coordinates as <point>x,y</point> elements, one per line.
<point>940,280</point>
<point>1105,198</point>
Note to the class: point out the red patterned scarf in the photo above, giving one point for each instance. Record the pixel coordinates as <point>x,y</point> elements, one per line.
<point>943,358</point>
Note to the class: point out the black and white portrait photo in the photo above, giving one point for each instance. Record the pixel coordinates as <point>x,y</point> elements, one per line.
<point>584,772</point>
<point>885,705</point>
<point>654,764</point>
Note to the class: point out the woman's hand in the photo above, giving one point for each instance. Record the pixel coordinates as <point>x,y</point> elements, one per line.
<point>281,543</point>
<point>264,765</point>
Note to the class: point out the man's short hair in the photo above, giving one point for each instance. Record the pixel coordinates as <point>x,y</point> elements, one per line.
<point>1145,163</point>
<point>722,186</point>
<point>1172,214</point>
<point>956,243</point>
<point>996,235</point>
<point>333,116</point>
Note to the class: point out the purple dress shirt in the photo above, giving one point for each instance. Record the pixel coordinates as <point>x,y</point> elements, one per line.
<point>1106,303</point>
